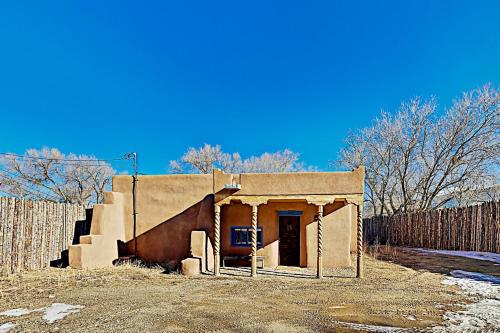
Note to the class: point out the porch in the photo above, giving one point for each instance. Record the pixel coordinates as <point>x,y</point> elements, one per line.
<point>287,231</point>
<point>289,272</point>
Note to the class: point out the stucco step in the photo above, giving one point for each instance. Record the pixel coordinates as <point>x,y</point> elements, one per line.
<point>92,256</point>
<point>111,198</point>
<point>91,239</point>
<point>86,239</point>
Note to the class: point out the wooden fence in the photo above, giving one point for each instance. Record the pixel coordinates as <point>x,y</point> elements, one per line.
<point>473,228</point>
<point>33,233</point>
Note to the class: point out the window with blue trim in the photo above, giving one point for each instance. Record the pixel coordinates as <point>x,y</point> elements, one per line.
<point>242,236</point>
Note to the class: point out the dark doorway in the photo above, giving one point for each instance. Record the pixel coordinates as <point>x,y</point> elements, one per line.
<point>289,244</point>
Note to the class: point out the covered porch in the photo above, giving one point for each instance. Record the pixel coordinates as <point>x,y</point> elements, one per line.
<point>283,232</point>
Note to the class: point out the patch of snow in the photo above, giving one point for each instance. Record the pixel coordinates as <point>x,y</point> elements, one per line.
<point>486,256</point>
<point>52,313</point>
<point>474,284</point>
<point>373,328</point>
<point>411,317</point>
<point>481,316</point>
<point>58,311</point>
<point>475,276</point>
<point>15,312</point>
<point>4,328</point>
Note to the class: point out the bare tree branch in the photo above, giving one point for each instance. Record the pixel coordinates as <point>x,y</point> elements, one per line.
<point>204,159</point>
<point>416,160</point>
<point>46,175</point>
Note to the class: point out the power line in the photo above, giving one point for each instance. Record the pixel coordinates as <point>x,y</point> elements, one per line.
<point>71,162</point>
<point>82,164</point>
<point>64,159</point>
<point>29,190</point>
<point>60,161</point>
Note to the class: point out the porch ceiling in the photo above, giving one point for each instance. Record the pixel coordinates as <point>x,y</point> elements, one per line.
<point>317,199</point>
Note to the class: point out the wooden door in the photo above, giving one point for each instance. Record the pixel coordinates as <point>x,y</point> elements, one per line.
<point>289,242</point>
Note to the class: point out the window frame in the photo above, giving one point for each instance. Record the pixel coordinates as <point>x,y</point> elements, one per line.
<point>248,231</point>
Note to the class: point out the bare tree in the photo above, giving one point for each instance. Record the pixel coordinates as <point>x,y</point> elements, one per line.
<point>204,159</point>
<point>463,148</point>
<point>281,161</point>
<point>416,159</point>
<point>47,174</point>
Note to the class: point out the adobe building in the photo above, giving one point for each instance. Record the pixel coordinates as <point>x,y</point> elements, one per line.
<point>202,221</point>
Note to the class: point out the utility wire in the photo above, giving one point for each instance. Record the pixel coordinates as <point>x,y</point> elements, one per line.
<point>64,159</point>
<point>31,191</point>
<point>61,161</point>
<point>56,161</point>
<point>25,182</point>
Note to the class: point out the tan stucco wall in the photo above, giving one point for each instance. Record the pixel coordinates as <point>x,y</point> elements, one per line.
<point>169,207</point>
<point>160,198</point>
<point>337,230</point>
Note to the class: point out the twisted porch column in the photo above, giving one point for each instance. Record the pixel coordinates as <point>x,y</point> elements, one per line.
<point>359,250</point>
<point>217,240</point>
<point>254,239</point>
<point>320,242</point>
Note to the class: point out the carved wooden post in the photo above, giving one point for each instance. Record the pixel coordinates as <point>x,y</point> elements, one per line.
<point>359,251</point>
<point>320,242</point>
<point>217,240</point>
<point>254,240</point>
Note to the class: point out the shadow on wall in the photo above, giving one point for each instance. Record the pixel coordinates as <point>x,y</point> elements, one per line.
<point>81,228</point>
<point>169,242</point>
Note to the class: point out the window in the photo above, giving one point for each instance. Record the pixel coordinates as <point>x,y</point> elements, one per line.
<point>242,236</point>
<point>290,213</point>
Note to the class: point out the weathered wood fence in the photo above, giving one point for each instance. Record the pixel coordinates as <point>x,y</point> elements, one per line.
<point>33,233</point>
<point>473,228</point>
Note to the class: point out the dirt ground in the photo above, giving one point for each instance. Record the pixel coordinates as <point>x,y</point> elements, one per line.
<point>132,299</point>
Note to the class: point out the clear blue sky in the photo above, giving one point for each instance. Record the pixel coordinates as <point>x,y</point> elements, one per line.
<point>108,77</point>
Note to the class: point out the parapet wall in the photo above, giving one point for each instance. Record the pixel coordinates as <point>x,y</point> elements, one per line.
<point>302,183</point>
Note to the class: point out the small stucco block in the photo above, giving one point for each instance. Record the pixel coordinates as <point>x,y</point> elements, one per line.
<point>201,248</point>
<point>210,256</point>
<point>191,266</point>
<point>198,246</point>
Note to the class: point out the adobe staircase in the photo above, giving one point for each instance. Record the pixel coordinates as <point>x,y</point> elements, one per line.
<point>99,248</point>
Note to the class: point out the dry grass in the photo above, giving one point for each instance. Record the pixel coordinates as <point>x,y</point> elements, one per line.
<point>378,251</point>
<point>131,299</point>
<point>432,262</point>
<point>46,282</point>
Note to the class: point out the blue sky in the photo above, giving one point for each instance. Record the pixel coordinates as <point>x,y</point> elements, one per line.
<point>106,78</point>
